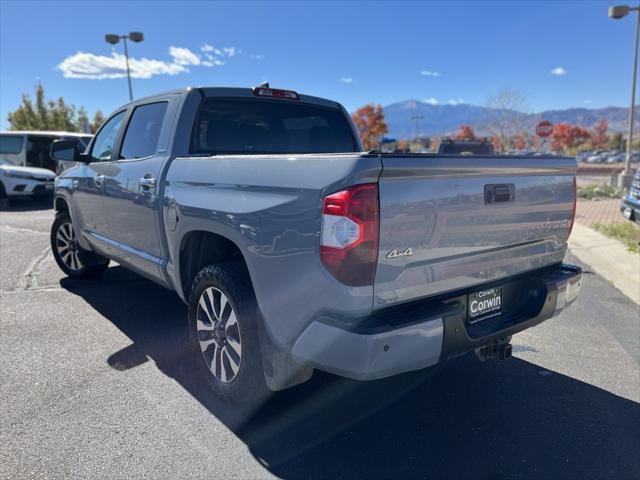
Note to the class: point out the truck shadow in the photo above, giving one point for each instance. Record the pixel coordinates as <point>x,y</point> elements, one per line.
<point>26,204</point>
<point>460,420</point>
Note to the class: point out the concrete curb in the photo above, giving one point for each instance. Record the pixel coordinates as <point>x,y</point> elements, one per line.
<point>608,258</point>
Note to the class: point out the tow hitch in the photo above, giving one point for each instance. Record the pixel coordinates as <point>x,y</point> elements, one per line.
<point>494,351</point>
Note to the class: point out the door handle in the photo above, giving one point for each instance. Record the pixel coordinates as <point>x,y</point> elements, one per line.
<point>147,183</point>
<point>499,193</point>
<point>98,180</point>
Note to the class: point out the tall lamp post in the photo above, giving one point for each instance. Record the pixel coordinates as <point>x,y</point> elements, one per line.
<point>618,12</point>
<point>417,118</point>
<point>134,37</point>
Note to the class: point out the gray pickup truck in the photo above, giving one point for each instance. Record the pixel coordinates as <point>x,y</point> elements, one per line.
<point>296,250</point>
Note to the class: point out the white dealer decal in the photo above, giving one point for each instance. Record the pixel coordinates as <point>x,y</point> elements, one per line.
<point>479,306</point>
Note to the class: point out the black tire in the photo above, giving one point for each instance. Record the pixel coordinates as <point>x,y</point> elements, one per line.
<point>84,264</point>
<point>247,386</point>
<point>4,200</point>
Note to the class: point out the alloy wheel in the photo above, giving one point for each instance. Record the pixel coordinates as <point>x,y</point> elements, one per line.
<point>68,248</point>
<point>219,334</point>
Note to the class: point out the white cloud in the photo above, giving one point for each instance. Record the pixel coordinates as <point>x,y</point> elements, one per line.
<point>429,73</point>
<point>184,56</point>
<point>88,65</point>
<point>230,51</point>
<point>98,67</point>
<point>456,101</point>
<point>212,63</point>
<point>256,56</point>
<point>587,101</point>
<point>431,101</point>
<point>347,80</point>
<point>558,71</point>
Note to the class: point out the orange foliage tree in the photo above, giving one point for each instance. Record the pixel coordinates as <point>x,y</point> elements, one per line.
<point>599,137</point>
<point>497,144</point>
<point>371,125</point>
<point>465,133</point>
<point>568,137</point>
<point>520,142</point>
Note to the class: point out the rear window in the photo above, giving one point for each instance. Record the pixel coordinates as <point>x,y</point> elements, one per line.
<point>244,126</point>
<point>466,148</point>
<point>10,143</point>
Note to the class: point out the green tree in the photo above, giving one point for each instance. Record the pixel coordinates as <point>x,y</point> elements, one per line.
<point>616,142</point>
<point>46,114</point>
<point>98,120</point>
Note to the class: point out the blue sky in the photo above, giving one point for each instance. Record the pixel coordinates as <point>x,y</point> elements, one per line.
<point>353,52</point>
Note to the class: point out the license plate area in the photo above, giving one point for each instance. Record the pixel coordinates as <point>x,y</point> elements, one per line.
<point>484,304</point>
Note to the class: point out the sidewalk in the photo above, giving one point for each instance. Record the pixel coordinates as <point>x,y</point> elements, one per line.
<point>608,258</point>
<point>607,211</point>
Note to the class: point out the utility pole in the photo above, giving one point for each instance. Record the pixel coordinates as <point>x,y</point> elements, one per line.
<point>417,118</point>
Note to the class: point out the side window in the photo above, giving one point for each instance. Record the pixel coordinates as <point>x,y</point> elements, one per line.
<point>143,131</point>
<point>106,139</point>
<point>10,144</point>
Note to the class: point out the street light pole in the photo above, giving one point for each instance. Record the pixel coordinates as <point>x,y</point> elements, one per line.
<point>618,12</point>
<point>417,118</point>
<point>134,37</point>
<point>126,56</point>
<point>632,109</point>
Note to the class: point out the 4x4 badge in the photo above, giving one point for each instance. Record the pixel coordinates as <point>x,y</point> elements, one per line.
<point>398,253</point>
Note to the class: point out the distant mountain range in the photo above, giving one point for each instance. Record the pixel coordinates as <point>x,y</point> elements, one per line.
<point>446,119</point>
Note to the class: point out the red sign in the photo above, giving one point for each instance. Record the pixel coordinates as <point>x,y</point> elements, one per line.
<point>544,128</point>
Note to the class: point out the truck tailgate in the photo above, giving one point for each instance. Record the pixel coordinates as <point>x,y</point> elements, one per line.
<point>452,222</point>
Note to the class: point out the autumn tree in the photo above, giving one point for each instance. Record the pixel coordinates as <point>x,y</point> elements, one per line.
<point>506,118</point>
<point>43,114</point>
<point>465,132</point>
<point>599,137</point>
<point>520,142</point>
<point>371,125</point>
<point>568,137</point>
<point>497,145</point>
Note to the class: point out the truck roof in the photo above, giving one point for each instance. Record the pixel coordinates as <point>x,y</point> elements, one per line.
<point>234,92</point>
<point>51,133</point>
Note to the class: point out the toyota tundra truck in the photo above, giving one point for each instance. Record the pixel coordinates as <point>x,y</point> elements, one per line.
<point>297,250</point>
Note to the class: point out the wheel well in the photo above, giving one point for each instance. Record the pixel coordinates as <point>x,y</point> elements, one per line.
<point>61,205</point>
<point>199,249</point>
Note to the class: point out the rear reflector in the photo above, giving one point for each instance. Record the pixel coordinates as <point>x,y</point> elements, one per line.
<point>349,236</point>
<point>274,93</point>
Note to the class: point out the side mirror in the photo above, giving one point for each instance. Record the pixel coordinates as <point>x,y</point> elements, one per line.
<point>68,151</point>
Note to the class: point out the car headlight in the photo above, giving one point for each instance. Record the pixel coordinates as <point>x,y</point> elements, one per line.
<point>14,174</point>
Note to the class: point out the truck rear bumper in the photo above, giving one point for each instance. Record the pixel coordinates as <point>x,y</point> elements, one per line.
<point>421,334</point>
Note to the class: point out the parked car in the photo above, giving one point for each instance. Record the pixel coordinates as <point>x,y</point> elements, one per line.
<point>296,250</point>
<point>582,156</point>
<point>596,158</point>
<point>615,158</point>
<point>630,206</point>
<point>31,148</point>
<point>24,181</point>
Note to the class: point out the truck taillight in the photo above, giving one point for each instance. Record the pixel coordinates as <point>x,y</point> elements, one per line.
<point>349,235</point>
<point>573,210</point>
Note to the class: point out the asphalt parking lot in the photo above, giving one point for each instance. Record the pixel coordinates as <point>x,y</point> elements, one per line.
<point>96,381</point>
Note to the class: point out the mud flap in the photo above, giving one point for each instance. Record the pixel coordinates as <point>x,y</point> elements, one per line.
<point>281,371</point>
